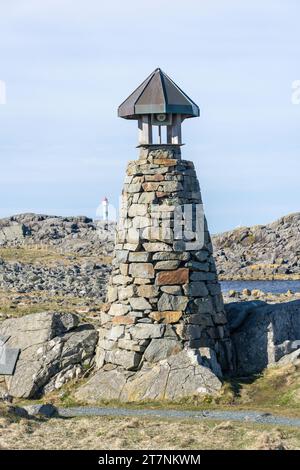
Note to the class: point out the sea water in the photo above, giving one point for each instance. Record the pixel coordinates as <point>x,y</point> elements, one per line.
<point>274,287</point>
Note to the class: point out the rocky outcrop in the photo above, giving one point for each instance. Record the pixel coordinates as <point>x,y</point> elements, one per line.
<point>62,255</point>
<point>70,234</point>
<point>12,233</point>
<point>261,252</point>
<point>291,358</point>
<point>54,349</point>
<point>257,295</point>
<point>181,375</point>
<point>263,334</point>
<point>87,279</point>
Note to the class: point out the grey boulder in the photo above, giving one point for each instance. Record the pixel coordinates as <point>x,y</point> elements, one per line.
<point>159,349</point>
<point>50,343</point>
<point>178,376</point>
<point>47,410</point>
<point>12,233</point>
<point>267,334</point>
<point>291,358</point>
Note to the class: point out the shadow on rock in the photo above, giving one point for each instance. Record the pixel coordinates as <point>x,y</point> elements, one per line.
<point>262,333</point>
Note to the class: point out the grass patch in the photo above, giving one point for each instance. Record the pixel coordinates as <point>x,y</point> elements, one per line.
<point>144,433</point>
<point>13,304</point>
<point>276,387</point>
<point>46,255</point>
<point>29,303</point>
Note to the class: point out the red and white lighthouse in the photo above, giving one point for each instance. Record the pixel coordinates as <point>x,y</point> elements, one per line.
<point>105,209</point>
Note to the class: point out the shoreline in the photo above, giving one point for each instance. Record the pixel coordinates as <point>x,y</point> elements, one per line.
<point>275,277</point>
<point>247,295</point>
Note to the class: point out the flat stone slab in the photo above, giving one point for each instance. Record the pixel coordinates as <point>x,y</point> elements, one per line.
<point>8,360</point>
<point>179,376</point>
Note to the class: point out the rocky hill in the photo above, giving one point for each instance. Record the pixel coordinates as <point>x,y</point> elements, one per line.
<point>67,234</point>
<point>54,257</point>
<point>261,252</point>
<point>72,255</point>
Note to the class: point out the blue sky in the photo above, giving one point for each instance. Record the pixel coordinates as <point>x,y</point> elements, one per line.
<point>67,66</point>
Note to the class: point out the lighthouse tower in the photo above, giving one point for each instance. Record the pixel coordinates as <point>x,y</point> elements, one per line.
<point>105,211</point>
<point>164,334</point>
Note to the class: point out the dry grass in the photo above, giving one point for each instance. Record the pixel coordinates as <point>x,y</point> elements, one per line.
<point>13,304</point>
<point>141,433</point>
<point>46,255</point>
<point>39,254</point>
<point>276,389</point>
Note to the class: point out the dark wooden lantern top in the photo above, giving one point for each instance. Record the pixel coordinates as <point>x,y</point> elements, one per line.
<point>158,94</point>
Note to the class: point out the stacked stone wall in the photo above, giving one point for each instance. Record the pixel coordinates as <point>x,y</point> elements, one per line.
<point>163,295</point>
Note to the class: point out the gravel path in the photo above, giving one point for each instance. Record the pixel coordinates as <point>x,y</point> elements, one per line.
<point>245,416</point>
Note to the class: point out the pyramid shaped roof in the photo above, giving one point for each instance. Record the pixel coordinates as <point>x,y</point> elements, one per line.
<point>158,94</point>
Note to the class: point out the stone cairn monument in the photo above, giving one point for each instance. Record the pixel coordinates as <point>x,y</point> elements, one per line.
<point>164,334</point>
